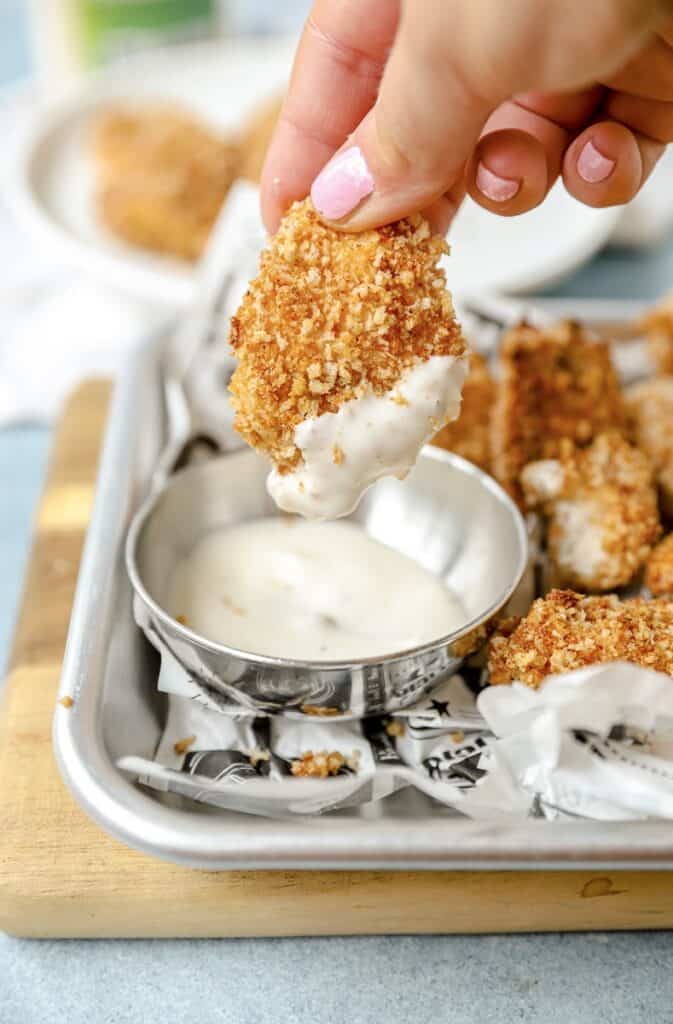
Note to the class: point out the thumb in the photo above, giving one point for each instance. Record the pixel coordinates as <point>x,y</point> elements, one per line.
<point>411,148</point>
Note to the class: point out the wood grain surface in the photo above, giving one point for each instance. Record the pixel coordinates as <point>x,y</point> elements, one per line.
<point>61,876</point>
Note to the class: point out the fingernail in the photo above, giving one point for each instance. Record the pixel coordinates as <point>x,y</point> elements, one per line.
<point>592,166</point>
<point>495,188</point>
<point>342,184</point>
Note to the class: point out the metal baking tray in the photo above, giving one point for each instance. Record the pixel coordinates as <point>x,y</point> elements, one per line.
<point>111,672</point>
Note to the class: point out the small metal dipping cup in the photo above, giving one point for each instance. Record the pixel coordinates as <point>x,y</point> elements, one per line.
<point>447,515</point>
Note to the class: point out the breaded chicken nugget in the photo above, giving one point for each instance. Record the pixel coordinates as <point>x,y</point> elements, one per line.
<point>649,407</point>
<point>659,571</point>
<point>555,383</point>
<point>162,177</point>
<point>350,358</point>
<point>601,504</point>
<point>257,136</point>
<point>470,434</point>
<point>658,327</point>
<point>566,631</point>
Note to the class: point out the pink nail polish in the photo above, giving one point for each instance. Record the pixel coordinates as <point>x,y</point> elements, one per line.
<point>342,184</point>
<point>495,188</point>
<point>592,166</point>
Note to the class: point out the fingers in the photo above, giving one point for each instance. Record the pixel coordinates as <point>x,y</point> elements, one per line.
<point>519,156</point>
<point>335,80</point>
<point>444,92</point>
<point>508,172</point>
<point>608,163</point>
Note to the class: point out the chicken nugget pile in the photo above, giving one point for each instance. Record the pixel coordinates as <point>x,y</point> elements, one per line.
<point>341,339</point>
<point>596,464</point>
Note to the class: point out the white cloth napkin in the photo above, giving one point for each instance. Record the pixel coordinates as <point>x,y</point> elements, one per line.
<point>57,332</point>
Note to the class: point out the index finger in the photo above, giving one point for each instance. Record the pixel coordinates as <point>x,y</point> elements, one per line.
<point>334,82</point>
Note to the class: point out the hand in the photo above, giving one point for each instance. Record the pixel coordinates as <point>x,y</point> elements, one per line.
<point>397,106</point>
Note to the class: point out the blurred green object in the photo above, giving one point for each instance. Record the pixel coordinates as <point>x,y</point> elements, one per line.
<point>73,37</point>
<point>113,28</point>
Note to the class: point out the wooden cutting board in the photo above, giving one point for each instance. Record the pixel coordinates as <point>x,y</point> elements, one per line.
<point>61,876</point>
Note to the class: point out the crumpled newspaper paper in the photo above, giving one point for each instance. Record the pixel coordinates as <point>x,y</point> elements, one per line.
<point>240,760</point>
<point>595,743</point>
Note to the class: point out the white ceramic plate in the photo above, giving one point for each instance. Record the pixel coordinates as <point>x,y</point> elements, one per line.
<point>525,253</point>
<point>50,185</point>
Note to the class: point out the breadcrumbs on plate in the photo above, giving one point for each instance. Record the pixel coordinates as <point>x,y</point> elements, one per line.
<point>601,504</point>
<point>658,327</point>
<point>257,134</point>
<point>330,317</point>
<point>470,434</point>
<point>555,383</point>
<point>161,177</point>
<point>323,763</point>
<point>337,455</point>
<point>66,702</point>
<point>182,746</point>
<point>649,407</point>
<point>659,570</point>
<point>319,711</point>
<point>565,631</point>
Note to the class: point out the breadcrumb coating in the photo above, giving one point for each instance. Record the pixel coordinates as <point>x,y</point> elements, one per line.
<point>330,317</point>
<point>658,327</point>
<point>659,571</point>
<point>256,137</point>
<point>649,407</point>
<point>565,631</point>
<point>602,508</point>
<point>470,434</point>
<point>555,383</point>
<point>162,177</point>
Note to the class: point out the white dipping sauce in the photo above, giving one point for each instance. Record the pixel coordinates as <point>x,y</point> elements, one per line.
<point>309,591</point>
<point>344,452</point>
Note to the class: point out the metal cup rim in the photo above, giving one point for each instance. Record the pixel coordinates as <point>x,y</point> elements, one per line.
<point>270,661</point>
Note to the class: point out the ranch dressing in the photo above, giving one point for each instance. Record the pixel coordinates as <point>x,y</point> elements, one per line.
<point>344,452</point>
<point>310,591</point>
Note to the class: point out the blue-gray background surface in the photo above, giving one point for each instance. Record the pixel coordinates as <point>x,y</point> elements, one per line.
<point>556,979</point>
